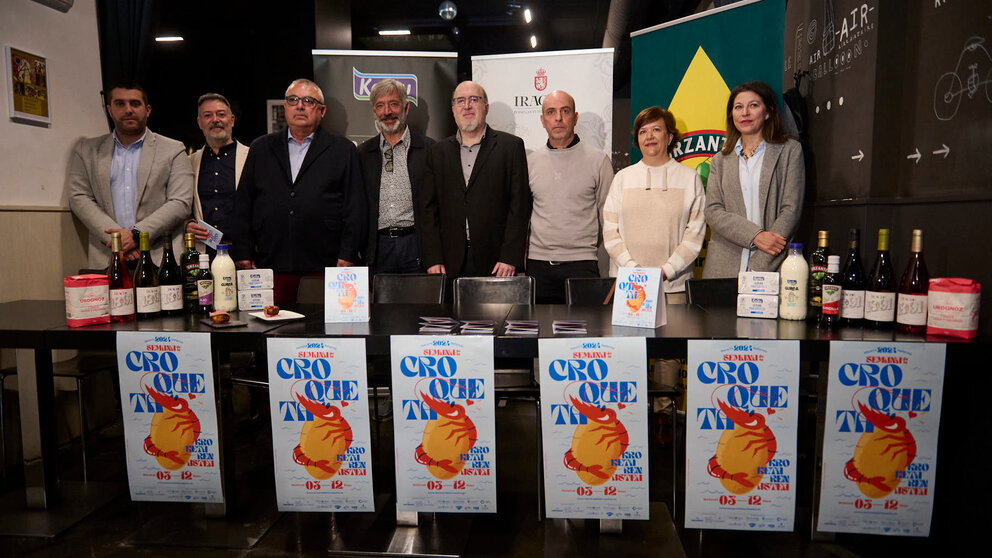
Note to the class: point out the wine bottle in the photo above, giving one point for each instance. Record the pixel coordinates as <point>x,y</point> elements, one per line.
<point>880,299</point>
<point>189,263</point>
<point>121,285</point>
<point>832,293</point>
<point>911,312</point>
<point>817,269</point>
<point>147,294</point>
<point>204,286</point>
<point>852,308</point>
<point>170,282</point>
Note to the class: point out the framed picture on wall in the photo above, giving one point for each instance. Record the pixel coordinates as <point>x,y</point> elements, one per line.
<point>275,114</point>
<point>27,87</point>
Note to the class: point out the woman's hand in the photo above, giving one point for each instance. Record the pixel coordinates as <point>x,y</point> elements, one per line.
<point>769,243</point>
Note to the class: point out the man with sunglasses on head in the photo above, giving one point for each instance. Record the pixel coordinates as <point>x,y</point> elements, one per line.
<point>300,206</point>
<point>394,164</point>
<point>473,212</point>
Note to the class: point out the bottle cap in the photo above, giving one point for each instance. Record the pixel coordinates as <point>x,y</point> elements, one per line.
<point>204,259</point>
<point>189,236</point>
<point>795,246</point>
<point>833,264</point>
<point>223,246</point>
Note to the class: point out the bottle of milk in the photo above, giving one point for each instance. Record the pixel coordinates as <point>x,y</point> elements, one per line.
<point>225,290</point>
<point>792,287</point>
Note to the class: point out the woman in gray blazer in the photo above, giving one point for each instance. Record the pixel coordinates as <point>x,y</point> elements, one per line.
<point>754,194</point>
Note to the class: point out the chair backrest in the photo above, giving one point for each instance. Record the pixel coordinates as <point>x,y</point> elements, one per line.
<point>411,288</point>
<point>501,290</point>
<point>711,292</point>
<point>310,290</point>
<point>590,291</point>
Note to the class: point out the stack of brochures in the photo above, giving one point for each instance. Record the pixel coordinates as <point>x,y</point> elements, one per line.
<point>438,325</point>
<point>569,327</point>
<point>478,327</point>
<point>522,327</point>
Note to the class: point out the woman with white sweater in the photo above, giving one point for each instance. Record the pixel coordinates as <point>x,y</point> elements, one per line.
<point>653,216</point>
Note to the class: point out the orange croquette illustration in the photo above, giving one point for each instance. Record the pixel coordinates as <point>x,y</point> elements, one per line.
<point>741,451</point>
<point>173,430</point>
<point>446,438</point>
<point>347,298</point>
<point>880,454</point>
<point>596,445</point>
<point>322,440</point>
<point>635,303</point>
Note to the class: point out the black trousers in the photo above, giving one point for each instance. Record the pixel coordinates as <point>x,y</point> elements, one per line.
<point>550,277</point>
<point>400,254</point>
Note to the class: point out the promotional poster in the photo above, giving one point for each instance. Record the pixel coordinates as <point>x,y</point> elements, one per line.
<point>639,300</point>
<point>318,399</point>
<point>594,429</point>
<point>880,437</point>
<point>170,416</point>
<point>742,410</point>
<point>346,294</point>
<point>444,423</point>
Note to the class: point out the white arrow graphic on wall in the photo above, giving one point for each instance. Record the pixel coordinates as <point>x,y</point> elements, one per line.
<point>943,151</point>
<point>915,156</point>
<point>859,156</point>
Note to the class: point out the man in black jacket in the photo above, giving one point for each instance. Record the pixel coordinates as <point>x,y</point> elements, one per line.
<point>394,164</point>
<point>300,206</point>
<point>475,206</point>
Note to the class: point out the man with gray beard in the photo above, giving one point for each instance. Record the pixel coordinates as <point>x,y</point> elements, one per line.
<point>395,162</point>
<point>473,212</point>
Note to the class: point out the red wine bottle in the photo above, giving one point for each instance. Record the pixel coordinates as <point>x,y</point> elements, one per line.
<point>121,285</point>
<point>911,308</point>
<point>147,296</point>
<point>880,300</point>
<point>170,281</point>
<point>852,308</point>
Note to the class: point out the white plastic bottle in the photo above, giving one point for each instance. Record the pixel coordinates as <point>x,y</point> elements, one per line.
<point>225,288</point>
<point>792,290</point>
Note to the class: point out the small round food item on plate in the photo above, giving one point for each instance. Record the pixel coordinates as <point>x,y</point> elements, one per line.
<point>271,311</point>
<point>220,317</point>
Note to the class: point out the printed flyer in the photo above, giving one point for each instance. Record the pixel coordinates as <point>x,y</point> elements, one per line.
<point>170,416</point>
<point>444,423</point>
<point>346,294</point>
<point>594,417</point>
<point>880,437</point>
<point>742,411</point>
<point>640,298</point>
<point>318,398</point>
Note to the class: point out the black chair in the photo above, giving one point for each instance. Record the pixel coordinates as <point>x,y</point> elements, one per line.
<point>520,289</point>
<point>590,291</point>
<point>12,371</point>
<point>310,290</point>
<point>711,292</point>
<point>411,288</point>
<point>78,370</point>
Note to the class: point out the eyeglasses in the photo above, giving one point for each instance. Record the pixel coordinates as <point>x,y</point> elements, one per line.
<point>462,101</point>
<point>293,100</point>
<point>387,154</point>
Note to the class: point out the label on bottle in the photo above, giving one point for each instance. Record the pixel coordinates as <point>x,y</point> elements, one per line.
<point>205,291</point>
<point>792,304</point>
<point>853,305</point>
<point>226,294</point>
<point>879,306</point>
<point>121,302</point>
<point>172,297</point>
<point>148,300</point>
<point>832,295</point>
<point>912,309</point>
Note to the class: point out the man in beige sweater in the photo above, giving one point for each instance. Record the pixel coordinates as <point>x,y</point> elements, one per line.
<point>569,181</point>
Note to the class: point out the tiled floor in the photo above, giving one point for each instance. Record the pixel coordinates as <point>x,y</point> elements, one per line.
<point>116,529</point>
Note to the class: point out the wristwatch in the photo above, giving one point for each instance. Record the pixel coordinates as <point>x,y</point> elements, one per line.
<point>135,233</point>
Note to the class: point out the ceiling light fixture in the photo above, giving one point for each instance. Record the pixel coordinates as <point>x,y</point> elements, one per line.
<point>533,41</point>
<point>169,39</point>
<point>527,15</point>
<point>394,32</point>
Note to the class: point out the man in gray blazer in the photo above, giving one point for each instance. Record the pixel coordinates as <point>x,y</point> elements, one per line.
<point>129,181</point>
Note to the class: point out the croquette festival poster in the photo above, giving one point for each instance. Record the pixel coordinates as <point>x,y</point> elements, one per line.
<point>880,437</point>
<point>742,410</point>
<point>346,294</point>
<point>639,300</point>
<point>594,427</point>
<point>318,399</point>
<point>444,422</point>
<point>170,416</point>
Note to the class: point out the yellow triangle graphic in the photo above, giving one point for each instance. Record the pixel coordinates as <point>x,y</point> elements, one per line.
<point>700,102</point>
